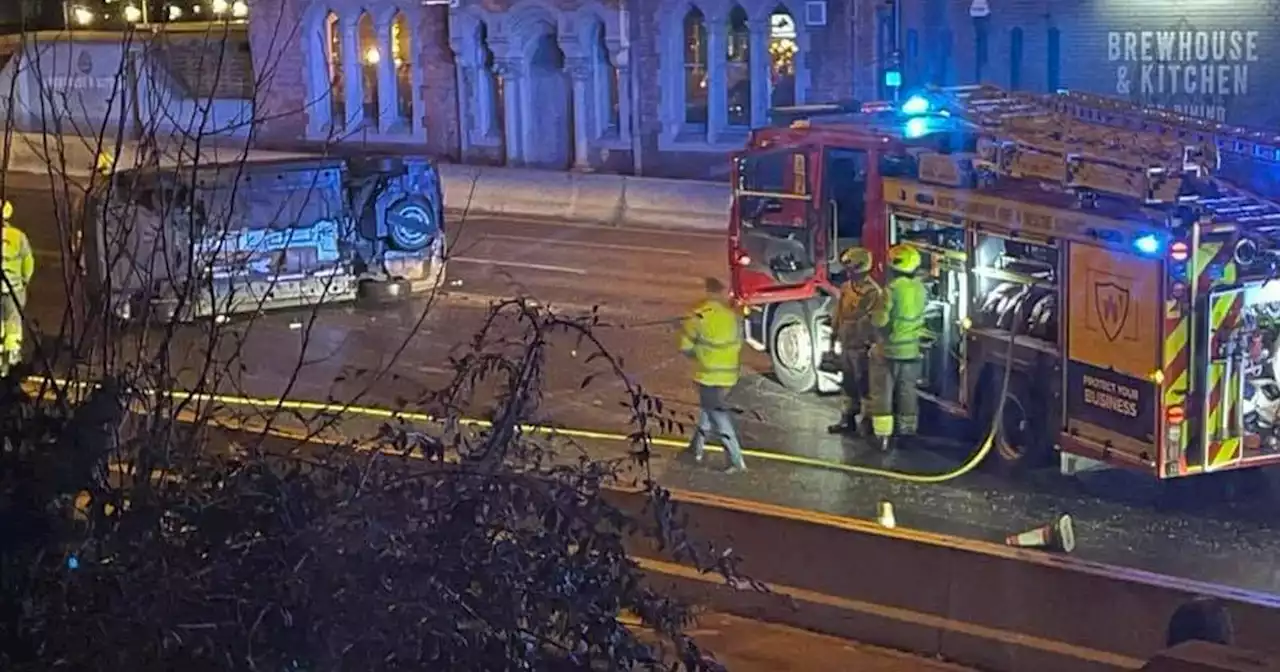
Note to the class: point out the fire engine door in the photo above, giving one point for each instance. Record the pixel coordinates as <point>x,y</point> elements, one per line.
<point>1235,379</point>
<point>844,198</point>
<point>774,207</point>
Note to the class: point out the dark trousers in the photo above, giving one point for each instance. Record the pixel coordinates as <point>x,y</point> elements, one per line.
<point>855,382</point>
<point>715,416</point>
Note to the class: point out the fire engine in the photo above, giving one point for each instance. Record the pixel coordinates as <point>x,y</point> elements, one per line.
<point>1121,260</point>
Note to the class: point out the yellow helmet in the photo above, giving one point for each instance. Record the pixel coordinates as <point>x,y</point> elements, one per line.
<point>856,259</point>
<point>6,211</point>
<point>105,162</point>
<point>904,258</point>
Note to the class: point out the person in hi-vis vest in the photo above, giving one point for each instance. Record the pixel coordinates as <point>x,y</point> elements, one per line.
<point>851,327</point>
<point>896,358</point>
<point>712,337</point>
<point>19,266</point>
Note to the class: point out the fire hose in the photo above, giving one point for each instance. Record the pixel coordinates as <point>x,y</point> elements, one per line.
<point>975,458</point>
<point>972,462</point>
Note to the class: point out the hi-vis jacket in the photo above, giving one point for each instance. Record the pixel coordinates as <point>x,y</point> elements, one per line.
<point>901,318</point>
<point>712,334</point>
<point>852,323</point>
<point>19,262</point>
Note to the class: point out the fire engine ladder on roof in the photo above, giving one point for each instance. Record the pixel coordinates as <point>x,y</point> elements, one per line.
<point>1094,144</point>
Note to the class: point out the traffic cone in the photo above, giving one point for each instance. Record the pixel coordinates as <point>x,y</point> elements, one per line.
<point>884,514</point>
<point>1058,535</point>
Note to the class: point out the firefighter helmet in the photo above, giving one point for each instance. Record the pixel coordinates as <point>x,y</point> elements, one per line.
<point>105,163</point>
<point>904,258</point>
<point>6,211</point>
<point>856,259</point>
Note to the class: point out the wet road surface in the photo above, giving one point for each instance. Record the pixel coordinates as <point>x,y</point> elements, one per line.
<point>1220,530</point>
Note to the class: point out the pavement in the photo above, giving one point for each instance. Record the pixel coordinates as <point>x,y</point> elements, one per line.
<point>1221,530</point>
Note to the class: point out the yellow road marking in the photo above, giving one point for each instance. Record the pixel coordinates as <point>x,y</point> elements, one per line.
<point>411,416</point>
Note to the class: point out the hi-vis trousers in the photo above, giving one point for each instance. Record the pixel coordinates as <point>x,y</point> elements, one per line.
<point>11,305</point>
<point>893,400</point>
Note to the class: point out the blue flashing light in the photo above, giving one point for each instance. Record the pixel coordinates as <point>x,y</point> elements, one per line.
<point>1148,244</point>
<point>893,78</point>
<point>916,105</point>
<point>917,127</point>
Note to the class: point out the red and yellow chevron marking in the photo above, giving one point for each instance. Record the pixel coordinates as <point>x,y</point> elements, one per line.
<point>1224,316</point>
<point>1214,255</point>
<point>1177,351</point>
<point>1177,355</point>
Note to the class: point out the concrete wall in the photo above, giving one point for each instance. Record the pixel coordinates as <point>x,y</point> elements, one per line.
<point>194,82</point>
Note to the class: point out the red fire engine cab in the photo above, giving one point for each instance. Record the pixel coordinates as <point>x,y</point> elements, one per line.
<point>804,191</point>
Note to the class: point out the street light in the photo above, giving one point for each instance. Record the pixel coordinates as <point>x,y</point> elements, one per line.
<point>82,16</point>
<point>372,56</point>
<point>175,12</point>
<point>132,14</point>
<point>239,9</point>
<point>220,7</point>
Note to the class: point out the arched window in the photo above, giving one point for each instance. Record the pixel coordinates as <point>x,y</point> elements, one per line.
<point>333,58</point>
<point>1054,56</point>
<point>782,58</point>
<point>981,48</point>
<point>737,69</point>
<point>402,58</point>
<point>370,57</point>
<point>606,81</point>
<point>695,67</point>
<point>1015,58</point>
<point>489,105</point>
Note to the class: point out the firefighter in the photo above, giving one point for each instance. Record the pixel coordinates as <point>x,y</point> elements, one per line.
<point>895,363</point>
<point>852,329</point>
<point>712,337</point>
<point>105,164</point>
<point>19,265</point>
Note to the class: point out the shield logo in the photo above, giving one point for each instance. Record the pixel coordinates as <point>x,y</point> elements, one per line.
<point>84,62</point>
<point>1111,302</point>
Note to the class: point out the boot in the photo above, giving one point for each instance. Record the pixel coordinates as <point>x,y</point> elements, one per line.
<point>864,426</point>
<point>848,423</point>
<point>697,448</point>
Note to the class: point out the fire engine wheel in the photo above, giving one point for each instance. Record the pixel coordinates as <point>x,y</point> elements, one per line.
<point>1019,440</point>
<point>791,347</point>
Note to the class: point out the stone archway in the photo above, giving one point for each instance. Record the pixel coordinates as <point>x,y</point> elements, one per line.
<point>547,100</point>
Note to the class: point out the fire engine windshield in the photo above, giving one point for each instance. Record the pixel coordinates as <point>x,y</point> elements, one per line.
<point>773,202</point>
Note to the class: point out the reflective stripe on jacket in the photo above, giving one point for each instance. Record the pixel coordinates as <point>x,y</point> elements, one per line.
<point>19,263</point>
<point>713,335</point>
<point>901,318</point>
<point>852,323</point>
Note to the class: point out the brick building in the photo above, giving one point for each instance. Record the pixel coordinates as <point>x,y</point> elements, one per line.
<point>1209,58</point>
<point>663,87</point>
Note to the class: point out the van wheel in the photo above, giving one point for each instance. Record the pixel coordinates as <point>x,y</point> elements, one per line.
<point>791,348</point>
<point>1020,439</point>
